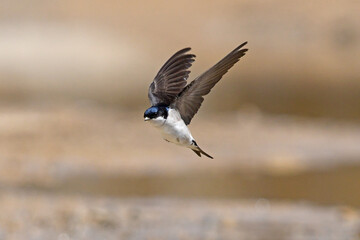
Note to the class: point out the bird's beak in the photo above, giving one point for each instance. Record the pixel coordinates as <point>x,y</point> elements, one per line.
<point>146,119</point>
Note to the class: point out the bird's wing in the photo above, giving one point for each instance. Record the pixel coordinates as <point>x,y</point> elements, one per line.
<point>171,78</point>
<point>190,99</point>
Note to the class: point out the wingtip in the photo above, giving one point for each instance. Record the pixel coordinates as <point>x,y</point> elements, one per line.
<point>182,51</point>
<point>243,44</point>
<point>240,49</point>
<point>187,49</point>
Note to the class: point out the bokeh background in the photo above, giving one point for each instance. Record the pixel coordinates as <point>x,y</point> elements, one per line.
<point>77,160</point>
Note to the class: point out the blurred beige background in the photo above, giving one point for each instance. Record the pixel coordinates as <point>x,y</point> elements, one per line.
<point>303,57</point>
<point>78,162</point>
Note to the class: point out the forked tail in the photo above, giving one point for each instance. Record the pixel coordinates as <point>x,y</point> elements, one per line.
<point>199,151</point>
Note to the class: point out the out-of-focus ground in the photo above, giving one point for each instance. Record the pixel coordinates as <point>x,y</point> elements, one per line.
<point>39,216</point>
<point>65,169</point>
<point>77,161</point>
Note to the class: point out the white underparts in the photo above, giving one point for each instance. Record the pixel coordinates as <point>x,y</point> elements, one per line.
<point>174,129</point>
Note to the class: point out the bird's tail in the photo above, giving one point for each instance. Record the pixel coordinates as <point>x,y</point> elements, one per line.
<point>199,151</point>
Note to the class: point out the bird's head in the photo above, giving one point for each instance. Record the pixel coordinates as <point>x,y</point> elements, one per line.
<point>156,113</point>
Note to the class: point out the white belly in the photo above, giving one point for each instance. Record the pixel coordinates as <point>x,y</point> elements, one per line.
<point>174,130</point>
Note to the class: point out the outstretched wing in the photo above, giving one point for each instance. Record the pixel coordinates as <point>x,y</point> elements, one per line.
<point>171,78</point>
<point>190,99</point>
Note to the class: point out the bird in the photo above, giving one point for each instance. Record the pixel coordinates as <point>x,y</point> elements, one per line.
<point>174,102</point>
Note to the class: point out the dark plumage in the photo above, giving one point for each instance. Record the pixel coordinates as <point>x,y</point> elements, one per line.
<point>190,99</point>
<point>169,86</point>
<point>156,111</point>
<point>171,78</point>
